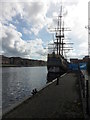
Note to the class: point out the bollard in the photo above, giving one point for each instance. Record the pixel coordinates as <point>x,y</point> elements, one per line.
<point>57,81</point>
<point>83,88</point>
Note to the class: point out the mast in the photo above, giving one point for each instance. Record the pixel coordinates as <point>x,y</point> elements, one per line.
<point>60,31</point>
<point>59,34</point>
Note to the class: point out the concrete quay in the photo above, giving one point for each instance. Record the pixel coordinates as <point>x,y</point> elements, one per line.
<point>62,101</point>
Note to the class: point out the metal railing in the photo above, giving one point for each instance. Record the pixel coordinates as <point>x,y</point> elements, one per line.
<point>84,88</point>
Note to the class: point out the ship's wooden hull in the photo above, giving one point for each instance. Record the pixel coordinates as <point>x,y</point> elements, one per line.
<point>56,64</point>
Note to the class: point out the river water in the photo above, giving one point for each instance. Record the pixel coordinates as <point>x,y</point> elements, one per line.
<point>18,82</point>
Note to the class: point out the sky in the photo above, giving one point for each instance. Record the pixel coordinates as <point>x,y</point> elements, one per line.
<point>24,27</point>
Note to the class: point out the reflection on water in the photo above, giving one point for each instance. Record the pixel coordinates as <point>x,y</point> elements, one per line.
<point>18,82</point>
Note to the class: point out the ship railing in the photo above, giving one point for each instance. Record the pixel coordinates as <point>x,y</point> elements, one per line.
<point>54,55</point>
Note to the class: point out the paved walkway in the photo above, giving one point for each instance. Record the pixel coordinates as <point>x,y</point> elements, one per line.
<point>55,101</point>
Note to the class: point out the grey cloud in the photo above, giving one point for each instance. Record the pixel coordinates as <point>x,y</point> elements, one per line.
<point>13,45</point>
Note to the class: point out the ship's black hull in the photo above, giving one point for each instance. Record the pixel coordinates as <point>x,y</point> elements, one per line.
<point>51,76</point>
<point>56,64</point>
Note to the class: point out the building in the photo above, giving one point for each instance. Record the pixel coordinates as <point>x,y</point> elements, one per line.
<point>84,60</point>
<point>5,60</point>
<point>72,60</point>
<point>17,61</point>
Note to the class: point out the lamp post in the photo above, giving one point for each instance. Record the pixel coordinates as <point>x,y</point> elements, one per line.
<point>88,63</point>
<point>87,93</point>
<point>87,87</point>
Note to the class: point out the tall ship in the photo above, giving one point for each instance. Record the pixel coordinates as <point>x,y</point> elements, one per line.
<point>56,61</point>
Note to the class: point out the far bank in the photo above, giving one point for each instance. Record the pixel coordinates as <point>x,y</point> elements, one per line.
<point>20,62</point>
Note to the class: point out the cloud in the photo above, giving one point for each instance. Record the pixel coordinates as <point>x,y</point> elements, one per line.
<point>26,31</point>
<point>37,48</point>
<point>77,18</point>
<point>14,45</point>
<point>7,14</point>
<point>37,15</point>
<point>12,42</point>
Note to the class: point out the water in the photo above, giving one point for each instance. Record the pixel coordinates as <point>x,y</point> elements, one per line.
<point>18,82</point>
